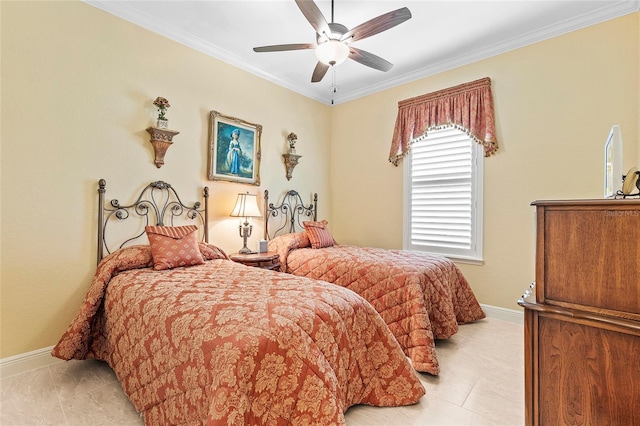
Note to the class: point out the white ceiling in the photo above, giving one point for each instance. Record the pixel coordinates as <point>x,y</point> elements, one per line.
<point>441,35</point>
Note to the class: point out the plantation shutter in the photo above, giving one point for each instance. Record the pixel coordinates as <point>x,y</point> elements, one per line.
<point>441,196</point>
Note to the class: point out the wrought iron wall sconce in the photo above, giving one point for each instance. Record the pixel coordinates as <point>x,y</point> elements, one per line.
<point>161,139</point>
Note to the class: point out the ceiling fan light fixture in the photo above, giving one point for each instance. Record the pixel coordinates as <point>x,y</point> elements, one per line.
<point>332,52</point>
<point>333,39</point>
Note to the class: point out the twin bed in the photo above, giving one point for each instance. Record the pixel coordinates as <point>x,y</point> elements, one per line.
<point>195,338</point>
<point>420,297</point>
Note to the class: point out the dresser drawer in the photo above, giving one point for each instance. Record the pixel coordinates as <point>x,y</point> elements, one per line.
<point>588,257</point>
<point>580,370</point>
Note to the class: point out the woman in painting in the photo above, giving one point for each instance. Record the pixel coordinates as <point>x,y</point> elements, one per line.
<point>234,152</point>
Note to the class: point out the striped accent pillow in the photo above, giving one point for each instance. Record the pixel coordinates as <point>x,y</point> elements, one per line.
<point>319,234</point>
<point>173,246</point>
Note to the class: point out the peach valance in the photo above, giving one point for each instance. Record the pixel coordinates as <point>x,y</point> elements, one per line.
<point>468,107</point>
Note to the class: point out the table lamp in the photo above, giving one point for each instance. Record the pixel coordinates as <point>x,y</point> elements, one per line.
<point>246,206</point>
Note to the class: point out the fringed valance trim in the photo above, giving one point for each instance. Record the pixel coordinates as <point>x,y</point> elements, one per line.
<point>467,107</point>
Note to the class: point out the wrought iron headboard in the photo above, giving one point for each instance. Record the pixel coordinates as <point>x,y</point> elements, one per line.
<point>158,204</point>
<point>291,208</point>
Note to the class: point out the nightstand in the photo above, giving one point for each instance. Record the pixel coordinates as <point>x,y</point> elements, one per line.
<point>269,260</point>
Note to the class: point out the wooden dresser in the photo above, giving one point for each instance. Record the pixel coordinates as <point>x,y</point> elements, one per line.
<point>582,315</point>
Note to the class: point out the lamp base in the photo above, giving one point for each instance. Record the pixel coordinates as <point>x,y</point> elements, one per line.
<point>246,250</point>
<point>245,233</point>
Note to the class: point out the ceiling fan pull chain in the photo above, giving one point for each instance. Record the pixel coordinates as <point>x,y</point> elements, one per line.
<point>333,87</point>
<point>333,81</point>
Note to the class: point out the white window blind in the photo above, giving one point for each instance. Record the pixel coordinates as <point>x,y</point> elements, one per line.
<point>442,201</point>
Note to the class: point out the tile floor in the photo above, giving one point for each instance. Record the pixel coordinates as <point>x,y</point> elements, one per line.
<point>481,383</point>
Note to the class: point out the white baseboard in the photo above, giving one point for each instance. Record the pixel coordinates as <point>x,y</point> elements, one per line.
<point>27,361</point>
<point>510,315</point>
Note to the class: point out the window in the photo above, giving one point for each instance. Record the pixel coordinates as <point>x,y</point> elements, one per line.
<point>443,195</point>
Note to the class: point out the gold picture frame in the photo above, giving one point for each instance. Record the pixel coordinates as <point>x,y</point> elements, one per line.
<point>234,149</point>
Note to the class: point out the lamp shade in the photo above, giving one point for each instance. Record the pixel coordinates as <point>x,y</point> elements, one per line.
<point>246,206</point>
<point>332,52</point>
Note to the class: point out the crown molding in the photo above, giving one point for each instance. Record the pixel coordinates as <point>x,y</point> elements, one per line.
<point>603,14</point>
<point>616,9</point>
<point>124,11</point>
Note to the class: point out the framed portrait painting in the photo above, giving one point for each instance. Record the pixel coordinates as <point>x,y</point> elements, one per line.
<point>234,149</point>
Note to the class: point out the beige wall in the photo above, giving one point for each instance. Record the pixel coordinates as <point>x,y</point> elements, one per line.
<point>77,86</point>
<point>77,92</point>
<point>555,102</point>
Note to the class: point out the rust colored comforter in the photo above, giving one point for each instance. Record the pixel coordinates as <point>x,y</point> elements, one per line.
<point>223,343</point>
<point>420,297</point>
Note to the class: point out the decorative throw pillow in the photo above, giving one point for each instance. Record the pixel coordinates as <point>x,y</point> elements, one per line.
<point>319,234</point>
<point>211,252</point>
<point>290,241</point>
<point>173,246</point>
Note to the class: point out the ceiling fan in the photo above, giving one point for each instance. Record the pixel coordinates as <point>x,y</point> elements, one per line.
<point>333,39</point>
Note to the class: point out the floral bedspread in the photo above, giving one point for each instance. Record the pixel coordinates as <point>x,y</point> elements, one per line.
<point>420,297</point>
<point>224,343</point>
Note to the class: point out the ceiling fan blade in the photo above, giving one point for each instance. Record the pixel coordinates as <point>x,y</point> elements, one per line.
<point>319,72</point>
<point>369,59</point>
<point>314,16</point>
<point>377,25</point>
<point>284,47</point>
